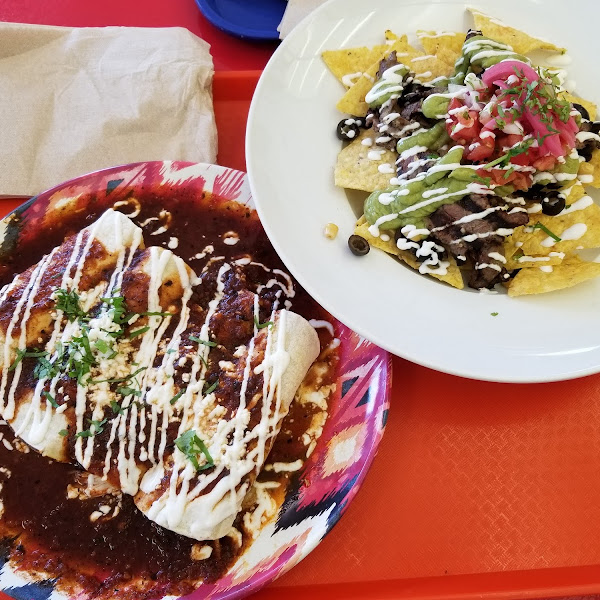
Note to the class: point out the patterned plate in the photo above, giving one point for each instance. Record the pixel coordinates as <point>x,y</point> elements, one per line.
<point>330,477</point>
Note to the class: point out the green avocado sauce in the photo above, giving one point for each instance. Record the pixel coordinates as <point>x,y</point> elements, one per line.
<point>482,52</point>
<point>413,201</point>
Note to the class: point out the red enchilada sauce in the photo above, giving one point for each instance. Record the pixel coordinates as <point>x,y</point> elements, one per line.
<point>102,545</point>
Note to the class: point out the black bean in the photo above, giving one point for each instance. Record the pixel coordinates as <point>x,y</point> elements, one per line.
<point>553,204</point>
<point>582,111</point>
<point>358,245</point>
<point>595,127</point>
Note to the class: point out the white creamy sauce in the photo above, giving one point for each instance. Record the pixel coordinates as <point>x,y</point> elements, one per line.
<point>351,78</point>
<point>580,204</point>
<point>375,154</point>
<point>386,168</point>
<point>231,238</point>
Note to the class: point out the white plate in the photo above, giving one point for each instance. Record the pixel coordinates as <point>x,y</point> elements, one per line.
<point>291,150</point>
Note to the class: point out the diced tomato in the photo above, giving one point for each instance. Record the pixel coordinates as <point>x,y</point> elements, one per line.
<point>463,126</point>
<point>519,180</point>
<point>545,163</point>
<point>483,149</point>
<point>522,159</point>
<point>509,140</point>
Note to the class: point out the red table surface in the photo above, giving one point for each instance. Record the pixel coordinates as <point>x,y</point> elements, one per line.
<point>479,490</point>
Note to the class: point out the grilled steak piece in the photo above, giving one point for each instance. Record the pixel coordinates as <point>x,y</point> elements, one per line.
<point>401,118</point>
<point>411,166</point>
<point>387,62</point>
<point>409,104</point>
<point>473,229</point>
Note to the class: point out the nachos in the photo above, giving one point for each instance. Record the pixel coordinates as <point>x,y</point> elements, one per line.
<point>476,159</point>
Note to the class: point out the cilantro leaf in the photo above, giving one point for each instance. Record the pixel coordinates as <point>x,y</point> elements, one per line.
<point>262,325</point>
<point>547,231</point>
<point>205,342</point>
<point>68,302</point>
<point>191,446</point>
<point>137,332</point>
<point>212,388</point>
<point>50,398</point>
<point>176,396</point>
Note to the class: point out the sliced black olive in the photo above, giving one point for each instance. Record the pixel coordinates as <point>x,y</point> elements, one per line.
<point>553,204</point>
<point>349,128</point>
<point>358,245</point>
<point>582,111</point>
<point>595,127</point>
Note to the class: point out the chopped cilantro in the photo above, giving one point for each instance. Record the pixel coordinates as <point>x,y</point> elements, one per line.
<point>63,432</point>
<point>137,332</point>
<point>494,314</point>
<point>515,151</point>
<point>50,398</point>
<point>262,325</point>
<point>546,231</point>
<point>96,427</point>
<point>103,346</point>
<point>205,342</point>
<point>68,303</point>
<point>116,407</point>
<point>212,388</point>
<point>21,354</point>
<point>191,446</point>
<point>177,396</point>
<point>129,391</point>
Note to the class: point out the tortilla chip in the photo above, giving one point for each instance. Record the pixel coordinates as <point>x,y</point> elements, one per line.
<point>353,61</point>
<point>587,219</point>
<point>572,271</point>
<point>520,42</point>
<point>518,260</point>
<point>453,276</point>
<point>448,41</point>
<point>353,101</point>
<point>592,167</point>
<point>356,171</point>
<point>589,106</point>
<point>427,67</point>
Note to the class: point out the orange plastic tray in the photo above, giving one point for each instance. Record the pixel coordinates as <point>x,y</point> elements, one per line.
<point>479,490</point>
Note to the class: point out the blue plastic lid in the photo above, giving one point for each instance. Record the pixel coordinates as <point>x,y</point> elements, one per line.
<point>254,19</point>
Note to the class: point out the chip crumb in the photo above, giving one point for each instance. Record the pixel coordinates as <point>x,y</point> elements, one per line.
<point>331,231</point>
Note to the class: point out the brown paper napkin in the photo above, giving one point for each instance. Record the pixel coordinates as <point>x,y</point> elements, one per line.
<point>78,100</point>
